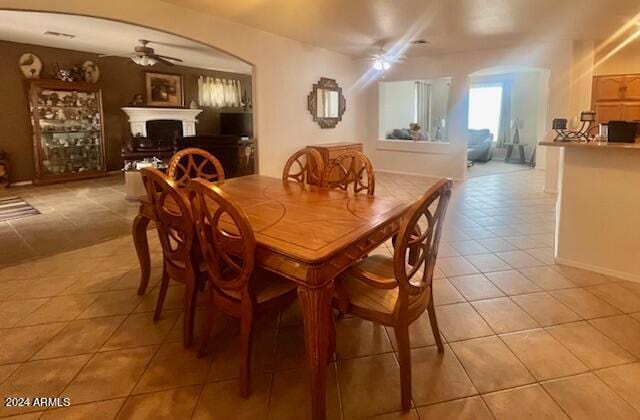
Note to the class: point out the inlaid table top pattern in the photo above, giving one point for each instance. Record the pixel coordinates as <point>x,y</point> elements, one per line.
<point>305,222</point>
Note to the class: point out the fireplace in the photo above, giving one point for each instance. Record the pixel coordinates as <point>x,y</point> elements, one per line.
<point>140,116</point>
<point>164,132</point>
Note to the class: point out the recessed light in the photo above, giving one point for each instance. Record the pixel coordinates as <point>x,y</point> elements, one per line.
<point>420,42</point>
<point>60,34</point>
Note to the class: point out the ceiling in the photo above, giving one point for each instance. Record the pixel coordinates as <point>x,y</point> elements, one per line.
<point>352,27</point>
<point>109,37</point>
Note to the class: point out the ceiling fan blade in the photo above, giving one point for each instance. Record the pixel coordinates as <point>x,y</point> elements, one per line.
<point>162,60</point>
<point>126,55</point>
<point>168,58</point>
<point>199,48</point>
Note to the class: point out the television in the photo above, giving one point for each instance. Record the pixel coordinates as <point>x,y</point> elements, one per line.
<point>236,124</point>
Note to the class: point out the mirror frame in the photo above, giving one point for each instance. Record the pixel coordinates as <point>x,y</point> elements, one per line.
<point>312,101</point>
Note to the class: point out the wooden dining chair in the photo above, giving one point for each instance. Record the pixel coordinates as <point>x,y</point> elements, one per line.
<point>194,163</point>
<point>351,167</point>
<point>181,262</point>
<point>237,287</point>
<point>305,166</point>
<point>395,291</point>
<point>184,165</point>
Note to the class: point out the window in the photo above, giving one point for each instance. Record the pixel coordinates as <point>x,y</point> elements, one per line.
<point>219,93</point>
<point>422,102</point>
<point>485,106</point>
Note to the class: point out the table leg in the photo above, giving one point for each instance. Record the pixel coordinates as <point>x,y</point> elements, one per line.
<point>318,319</point>
<point>140,224</point>
<point>507,158</point>
<point>523,159</point>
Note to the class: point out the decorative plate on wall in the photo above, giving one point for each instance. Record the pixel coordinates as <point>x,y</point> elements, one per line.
<point>91,72</point>
<point>30,65</point>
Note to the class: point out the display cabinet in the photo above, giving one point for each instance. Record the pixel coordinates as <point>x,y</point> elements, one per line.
<point>68,135</point>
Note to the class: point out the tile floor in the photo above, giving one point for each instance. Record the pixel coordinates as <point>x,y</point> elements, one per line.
<point>524,338</point>
<point>67,212</point>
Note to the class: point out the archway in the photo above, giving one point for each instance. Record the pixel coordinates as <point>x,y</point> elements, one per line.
<point>508,105</point>
<point>72,40</point>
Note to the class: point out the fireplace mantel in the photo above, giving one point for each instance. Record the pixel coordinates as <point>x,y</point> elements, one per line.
<point>138,117</point>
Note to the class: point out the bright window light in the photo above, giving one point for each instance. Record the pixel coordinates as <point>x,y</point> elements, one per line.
<point>485,103</point>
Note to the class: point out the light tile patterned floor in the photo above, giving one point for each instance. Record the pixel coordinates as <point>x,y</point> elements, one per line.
<point>524,338</point>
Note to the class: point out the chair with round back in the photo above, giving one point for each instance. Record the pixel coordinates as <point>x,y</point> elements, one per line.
<point>237,287</point>
<point>172,214</point>
<point>194,163</point>
<point>351,167</point>
<point>305,166</point>
<point>395,291</point>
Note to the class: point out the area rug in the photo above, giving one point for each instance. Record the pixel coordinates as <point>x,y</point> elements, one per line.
<point>15,208</point>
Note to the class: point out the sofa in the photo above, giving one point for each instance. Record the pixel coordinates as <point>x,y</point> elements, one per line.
<point>405,134</point>
<point>479,146</point>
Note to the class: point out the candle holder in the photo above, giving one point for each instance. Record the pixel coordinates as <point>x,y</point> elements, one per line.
<point>587,118</point>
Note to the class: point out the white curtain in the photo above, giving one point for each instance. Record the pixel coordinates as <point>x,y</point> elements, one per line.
<point>423,105</point>
<point>505,115</point>
<point>219,93</point>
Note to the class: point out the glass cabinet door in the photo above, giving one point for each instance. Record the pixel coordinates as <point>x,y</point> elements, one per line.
<point>70,131</point>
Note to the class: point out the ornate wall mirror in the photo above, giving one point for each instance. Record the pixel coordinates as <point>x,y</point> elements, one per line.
<point>326,103</point>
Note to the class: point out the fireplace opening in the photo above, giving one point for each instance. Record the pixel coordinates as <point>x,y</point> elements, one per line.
<point>164,132</point>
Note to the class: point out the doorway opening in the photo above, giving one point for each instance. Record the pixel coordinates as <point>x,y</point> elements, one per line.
<point>506,118</point>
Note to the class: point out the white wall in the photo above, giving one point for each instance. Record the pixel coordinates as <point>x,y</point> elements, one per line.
<point>439,104</point>
<point>524,106</point>
<point>624,61</point>
<point>450,160</point>
<point>397,106</point>
<point>285,70</point>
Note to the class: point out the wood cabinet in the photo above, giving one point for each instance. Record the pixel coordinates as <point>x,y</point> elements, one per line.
<point>608,88</point>
<point>631,88</point>
<point>607,111</point>
<point>630,111</point>
<point>616,97</point>
<point>330,151</point>
<point>68,137</point>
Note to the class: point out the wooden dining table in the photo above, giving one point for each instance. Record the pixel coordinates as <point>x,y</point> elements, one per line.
<point>308,235</point>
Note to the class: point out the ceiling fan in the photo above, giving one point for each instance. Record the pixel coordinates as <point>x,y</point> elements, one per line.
<point>382,60</point>
<point>146,56</point>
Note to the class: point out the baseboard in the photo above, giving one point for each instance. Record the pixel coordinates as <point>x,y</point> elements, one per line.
<point>21,183</point>
<point>602,270</point>
<point>415,174</point>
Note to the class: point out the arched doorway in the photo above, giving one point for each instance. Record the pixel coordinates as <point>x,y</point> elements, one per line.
<point>507,117</point>
<point>65,42</point>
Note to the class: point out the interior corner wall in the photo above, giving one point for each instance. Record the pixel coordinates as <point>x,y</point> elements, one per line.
<point>285,70</point>
<point>578,92</point>
<point>556,57</point>
<point>624,61</point>
<point>397,101</point>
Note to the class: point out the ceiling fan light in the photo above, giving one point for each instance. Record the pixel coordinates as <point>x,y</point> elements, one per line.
<point>378,64</point>
<point>386,65</point>
<point>144,60</point>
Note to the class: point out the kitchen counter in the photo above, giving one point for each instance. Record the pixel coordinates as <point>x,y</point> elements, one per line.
<point>592,145</point>
<point>598,208</point>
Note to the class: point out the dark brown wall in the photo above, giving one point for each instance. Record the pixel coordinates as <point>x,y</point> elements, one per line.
<point>119,80</point>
